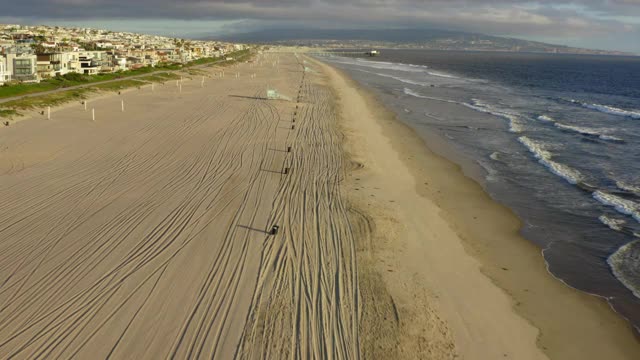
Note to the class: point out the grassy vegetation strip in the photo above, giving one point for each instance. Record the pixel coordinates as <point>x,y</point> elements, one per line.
<point>74,79</point>
<point>118,85</point>
<point>196,72</point>
<point>160,77</point>
<point>53,99</point>
<point>8,113</point>
<point>11,109</point>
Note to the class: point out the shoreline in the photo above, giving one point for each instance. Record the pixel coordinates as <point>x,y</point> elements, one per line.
<point>558,320</point>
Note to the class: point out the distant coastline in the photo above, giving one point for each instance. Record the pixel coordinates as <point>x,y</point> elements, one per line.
<point>423,47</point>
<point>423,39</point>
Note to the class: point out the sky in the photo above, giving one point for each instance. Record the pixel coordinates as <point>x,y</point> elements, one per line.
<point>597,24</point>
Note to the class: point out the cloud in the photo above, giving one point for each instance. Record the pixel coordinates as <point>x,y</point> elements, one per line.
<point>500,17</point>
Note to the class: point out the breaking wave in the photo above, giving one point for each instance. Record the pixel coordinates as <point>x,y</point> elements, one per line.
<point>439,74</point>
<point>611,138</point>
<point>614,224</point>
<point>546,118</point>
<point>625,265</point>
<point>383,65</point>
<point>544,157</point>
<point>628,187</point>
<point>587,131</point>
<point>391,65</point>
<point>634,114</point>
<point>515,124</point>
<point>622,205</point>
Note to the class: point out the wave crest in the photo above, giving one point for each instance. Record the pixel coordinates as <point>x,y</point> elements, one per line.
<point>546,118</point>
<point>600,133</point>
<point>622,205</point>
<point>625,265</point>
<point>614,224</point>
<point>544,157</point>
<point>515,123</point>
<point>634,114</point>
<point>628,187</point>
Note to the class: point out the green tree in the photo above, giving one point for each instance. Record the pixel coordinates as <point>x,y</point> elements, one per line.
<point>38,48</point>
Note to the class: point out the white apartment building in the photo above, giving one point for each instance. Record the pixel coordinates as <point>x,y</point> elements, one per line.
<point>120,62</point>
<point>23,67</point>
<point>5,75</point>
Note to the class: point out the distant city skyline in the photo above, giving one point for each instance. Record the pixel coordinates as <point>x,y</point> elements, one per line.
<point>597,24</point>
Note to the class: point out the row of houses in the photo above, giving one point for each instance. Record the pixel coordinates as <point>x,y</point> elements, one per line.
<point>26,56</point>
<point>35,67</point>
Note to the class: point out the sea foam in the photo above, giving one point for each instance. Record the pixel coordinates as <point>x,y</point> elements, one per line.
<point>406,81</point>
<point>443,75</point>
<point>390,66</point>
<point>634,114</point>
<point>515,123</point>
<point>615,224</point>
<point>587,131</point>
<point>625,265</point>
<point>628,187</point>
<point>622,205</point>
<point>544,157</point>
<point>410,92</point>
<point>546,118</point>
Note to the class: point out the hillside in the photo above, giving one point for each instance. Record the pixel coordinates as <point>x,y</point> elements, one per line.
<point>405,38</point>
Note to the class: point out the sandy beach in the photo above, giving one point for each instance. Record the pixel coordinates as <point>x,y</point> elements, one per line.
<point>145,234</point>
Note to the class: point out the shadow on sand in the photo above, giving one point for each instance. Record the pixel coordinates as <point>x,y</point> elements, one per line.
<point>272,171</point>
<point>253,229</point>
<point>249,97</point>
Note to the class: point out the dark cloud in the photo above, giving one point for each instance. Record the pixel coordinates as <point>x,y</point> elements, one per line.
<point>270,9</point>
<point>569,18</point>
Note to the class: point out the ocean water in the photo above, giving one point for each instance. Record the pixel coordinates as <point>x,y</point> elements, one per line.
<point>556,139</point>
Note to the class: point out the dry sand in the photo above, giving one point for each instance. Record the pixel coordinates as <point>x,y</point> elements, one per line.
<point>143,234</point>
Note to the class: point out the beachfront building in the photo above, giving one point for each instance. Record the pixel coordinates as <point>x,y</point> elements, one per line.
<point>89,66</point>
<point>70,62</point>
<point>151,58</point>
<point>103,45</point>
<point>5,75</point>
<point>169,55</point>
<point>61,50</point>
<point>120,63</point>
<point>24,67</point>
<point>45,68</point>
<point>94,62</point>
<point>5,45</point>
<point>58,64</point>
